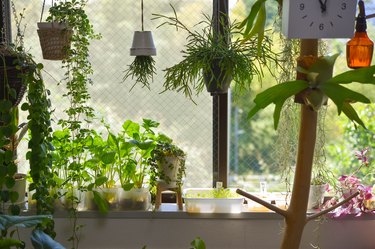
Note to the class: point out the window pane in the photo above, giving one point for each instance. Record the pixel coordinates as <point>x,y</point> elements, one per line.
<point>189,124</point>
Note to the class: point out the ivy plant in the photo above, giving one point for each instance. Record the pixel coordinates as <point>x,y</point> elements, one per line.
<point>79,114</point>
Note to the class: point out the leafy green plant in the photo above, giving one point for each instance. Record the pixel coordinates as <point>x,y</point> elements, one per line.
<point>39,239</point>
<point>211,58</point>
<point>79,113</point>
<point>165,148</point>
<point>318,87</point>
<point>198,243</point>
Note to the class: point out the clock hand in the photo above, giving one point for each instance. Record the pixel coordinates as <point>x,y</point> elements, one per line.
<point>323,5</point>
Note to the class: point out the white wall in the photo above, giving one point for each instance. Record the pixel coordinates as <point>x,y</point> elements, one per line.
<point>165,233</point>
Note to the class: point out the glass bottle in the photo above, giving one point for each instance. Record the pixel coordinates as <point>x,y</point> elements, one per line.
<point>360,48</point>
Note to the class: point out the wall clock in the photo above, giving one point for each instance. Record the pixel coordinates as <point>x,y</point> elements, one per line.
<point>312,19</point>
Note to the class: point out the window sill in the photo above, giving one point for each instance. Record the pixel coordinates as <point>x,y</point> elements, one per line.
<point>170,211</point>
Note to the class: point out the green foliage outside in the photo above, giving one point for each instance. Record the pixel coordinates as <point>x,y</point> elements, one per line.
<point>341,153</point>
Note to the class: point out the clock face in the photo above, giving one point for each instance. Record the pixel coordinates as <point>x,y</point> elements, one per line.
<point>310,19</point>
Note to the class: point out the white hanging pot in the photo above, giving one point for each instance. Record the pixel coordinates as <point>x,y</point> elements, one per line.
<point>143,44</point>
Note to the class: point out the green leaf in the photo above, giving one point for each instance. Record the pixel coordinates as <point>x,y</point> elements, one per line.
<point>249,21</point>
<point>9,182</point>
<point>8,243</point>
<point>5,105</point>
<point>108,157</point>
<point>148,124</point>
<point>41,240</point>
<point>100,180</point>
<point>198,243</point>
<point>100,202</point>
<point>7,221</point>
<point>128,186</point>
<point>349,111</point>
<point>323,67</point>
<point>277,95</point>
<point>130,127</point>
<point>341,95</point>
<point>361,75</point>
<point>25,107</point>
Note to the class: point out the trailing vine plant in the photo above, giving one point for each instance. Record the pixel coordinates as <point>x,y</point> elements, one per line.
<point>79,114</point>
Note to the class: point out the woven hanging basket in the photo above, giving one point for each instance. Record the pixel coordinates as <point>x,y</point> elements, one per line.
<point>55,39</point>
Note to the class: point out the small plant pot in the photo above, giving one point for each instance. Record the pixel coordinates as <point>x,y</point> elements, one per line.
<point>143,44</point>
<point>70,199</point>
<point>55,39</point>
<point>11,74</point>
<point>217,82</point>
<point>135,199</point>
<point>169,167</point>
<point>111,195</point>
<point>316,196</point>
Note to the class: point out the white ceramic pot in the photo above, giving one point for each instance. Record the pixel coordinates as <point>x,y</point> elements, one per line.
<point>316,196</point>
<point>169,166</point>
<point>20,188</point>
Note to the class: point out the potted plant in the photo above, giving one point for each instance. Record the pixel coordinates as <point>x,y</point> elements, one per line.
<point>55,37</point>
<point>134,171</point>
<point>213,59</point>
<point>38,238</point>
<point>318,188</point>
<point>143,48</point>
<point>168,162</point>
<point>212,200</point>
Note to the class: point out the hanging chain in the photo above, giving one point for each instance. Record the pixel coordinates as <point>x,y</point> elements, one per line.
<point>4,28</point>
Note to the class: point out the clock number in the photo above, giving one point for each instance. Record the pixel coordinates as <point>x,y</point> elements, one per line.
<point>343,6</point>
<point>321,26</point>
<point>302,6</point>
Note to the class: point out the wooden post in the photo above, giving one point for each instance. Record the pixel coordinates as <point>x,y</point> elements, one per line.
<point>295,218</point>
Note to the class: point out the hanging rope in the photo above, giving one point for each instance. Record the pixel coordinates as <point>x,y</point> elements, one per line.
<point>142,15</point>
<point>44,4</point>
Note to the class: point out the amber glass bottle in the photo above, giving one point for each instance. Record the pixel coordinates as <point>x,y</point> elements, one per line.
<point>360,48</point>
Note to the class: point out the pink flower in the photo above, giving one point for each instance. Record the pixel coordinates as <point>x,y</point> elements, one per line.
<point>361,156</point>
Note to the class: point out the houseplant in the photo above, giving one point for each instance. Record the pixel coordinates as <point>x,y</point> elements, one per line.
<point>39,239</point>
<point>209,200</point>
<point>55,37</point>
<point>143,48</point>
<point>75,127</point>
<point>134,171</point>
<point>213,59</point>
<point>168,162</point>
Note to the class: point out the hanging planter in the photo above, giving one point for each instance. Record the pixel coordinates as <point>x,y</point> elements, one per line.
<point>55,38</point>
<point>142,68</point>
<point>217,81</point>
<point>12,85</point>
